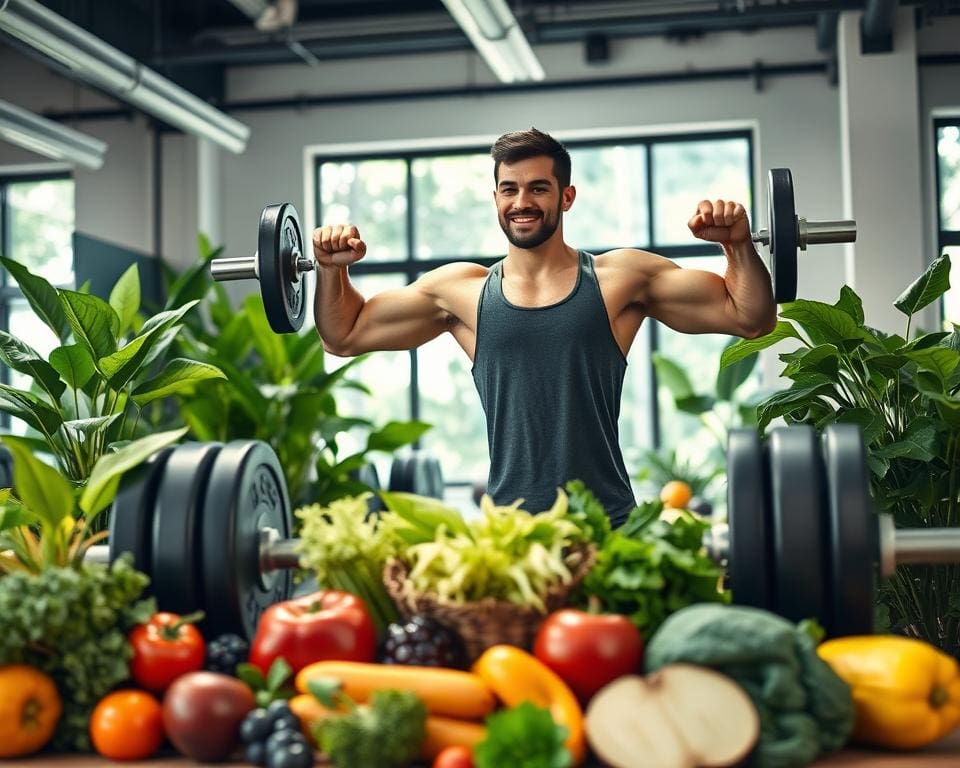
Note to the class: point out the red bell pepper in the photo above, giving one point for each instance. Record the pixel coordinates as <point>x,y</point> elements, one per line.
<point>323,626</point>
<point>164,648</point>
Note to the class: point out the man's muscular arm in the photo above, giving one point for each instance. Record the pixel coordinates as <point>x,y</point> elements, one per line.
<point>402,318</point>
<point>740,303</point>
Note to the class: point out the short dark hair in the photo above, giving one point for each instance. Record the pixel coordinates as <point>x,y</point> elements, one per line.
<point>520,145</point>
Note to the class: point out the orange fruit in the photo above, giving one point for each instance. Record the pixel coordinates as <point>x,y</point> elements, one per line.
<point>676,494</point>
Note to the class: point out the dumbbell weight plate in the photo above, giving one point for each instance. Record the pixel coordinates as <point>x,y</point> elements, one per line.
<point>853,532</point>
<point>178,510</point>
<point>246,494</point>
<point>750,556</point>
<point>131,513</point>
<point>402,474</point>
<point>428,477</point>
<point>783,234</point>
<point>796,500</point>
<point>284,295</point>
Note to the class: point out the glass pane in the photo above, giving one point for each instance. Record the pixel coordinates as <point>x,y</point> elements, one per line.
<point>449,401</point>
<point>951,299</point>
<point>686,172</point>
<point>41,228</point>
<point>372,194</point>
<point>385,374</point>
<point>455,212</point>
<point>28,328</point>
<point>948,158</point>
<point>698,355</point>
<point>611,206</point>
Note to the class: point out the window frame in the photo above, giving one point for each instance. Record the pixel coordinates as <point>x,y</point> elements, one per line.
<point>411,266</point>
<point>945,237</point>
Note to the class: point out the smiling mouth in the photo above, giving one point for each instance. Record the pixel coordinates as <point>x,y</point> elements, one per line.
<point>524,219</point>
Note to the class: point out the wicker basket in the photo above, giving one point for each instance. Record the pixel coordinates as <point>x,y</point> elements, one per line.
<point>489,621</point>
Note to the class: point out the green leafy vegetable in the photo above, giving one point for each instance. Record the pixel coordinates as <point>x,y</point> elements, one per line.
<point>271,687</point>
<point>73,624</point>
<point>587,512</point>
<point>523,737</point>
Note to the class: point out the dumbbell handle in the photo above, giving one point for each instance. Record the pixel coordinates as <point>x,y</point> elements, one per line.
<point>248,267</point>
<point>815,232</point>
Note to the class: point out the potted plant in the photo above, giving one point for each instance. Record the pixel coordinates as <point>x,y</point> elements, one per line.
<point>904,393</point>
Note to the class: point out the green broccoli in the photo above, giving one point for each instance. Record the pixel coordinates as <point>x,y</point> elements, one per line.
<point>387,732</point>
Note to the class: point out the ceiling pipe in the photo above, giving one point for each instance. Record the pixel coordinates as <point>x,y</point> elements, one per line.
<point>48,138</point>
<point>96,62</point>
<point>876,26</point>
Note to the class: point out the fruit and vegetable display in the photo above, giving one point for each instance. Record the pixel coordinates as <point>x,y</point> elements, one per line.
<point>424,638</point>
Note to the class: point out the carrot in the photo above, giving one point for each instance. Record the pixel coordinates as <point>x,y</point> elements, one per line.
<point>310,712</point>
<point>443,732</point>
<point>446,692</point>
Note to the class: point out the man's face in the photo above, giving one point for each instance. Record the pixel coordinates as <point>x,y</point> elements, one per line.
<point>529,201</point>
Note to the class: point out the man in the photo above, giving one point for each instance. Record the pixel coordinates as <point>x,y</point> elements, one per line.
<point>548,328</point>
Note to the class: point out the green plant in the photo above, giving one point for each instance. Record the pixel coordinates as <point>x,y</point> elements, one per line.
<point>111,363</point>
<point>904,393</point>
<point>60,614</point>
<point>277,389</point>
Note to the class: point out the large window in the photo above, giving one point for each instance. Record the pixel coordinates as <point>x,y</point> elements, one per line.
<point>948,209</point>
<point>36,229</point>
<point>418,210</point>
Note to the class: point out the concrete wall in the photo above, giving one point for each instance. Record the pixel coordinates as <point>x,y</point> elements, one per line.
<point>795,119</point>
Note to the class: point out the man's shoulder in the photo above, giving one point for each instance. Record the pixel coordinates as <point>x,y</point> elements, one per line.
<point>455,271</point>
<point>633,259</point>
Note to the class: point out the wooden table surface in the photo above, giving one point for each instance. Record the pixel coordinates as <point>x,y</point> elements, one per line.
<point>945,753</point>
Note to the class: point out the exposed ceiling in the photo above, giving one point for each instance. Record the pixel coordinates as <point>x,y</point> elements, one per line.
<point>193,41</point>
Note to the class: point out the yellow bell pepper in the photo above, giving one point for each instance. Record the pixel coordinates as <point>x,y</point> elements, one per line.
<point>906,692</point>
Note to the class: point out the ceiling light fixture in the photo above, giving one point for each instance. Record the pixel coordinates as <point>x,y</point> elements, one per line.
<point>100,64</point>
<point>495,33</point>
<point>48,138</point>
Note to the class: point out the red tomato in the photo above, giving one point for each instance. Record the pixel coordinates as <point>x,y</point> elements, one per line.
<point>164,648</point>
<point>127,725</point>
<point>588,650</point>
<point>454,757</point>
<point>323,626</point>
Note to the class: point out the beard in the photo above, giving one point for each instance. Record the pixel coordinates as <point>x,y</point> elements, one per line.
<point>537,234</point>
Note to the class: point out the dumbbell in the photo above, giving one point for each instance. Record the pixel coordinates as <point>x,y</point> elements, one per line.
<point>786,232</point>
<point>280,261</point>
<point>803,538</point>
<point>212,526</point>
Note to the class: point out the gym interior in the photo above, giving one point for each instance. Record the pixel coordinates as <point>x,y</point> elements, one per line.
<point>177,437</point>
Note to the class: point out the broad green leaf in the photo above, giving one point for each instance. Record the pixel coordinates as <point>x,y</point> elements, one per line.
<point>310,363</point>
<point>93,321</point>
<point>266,341</point>
<point>242,389</point>
<point>41,488</point>
<point>85,430</point>
<point>892,343</point>
<point>192,284</point>
<point>29,408</point>
<point>125,297</point>
<point>104,480</point>
<point>850,303</point>
<point>888,365</point>
<point>179,374</point>
<point>73,363</point>
<point>824,323</point>
<point>822,358</point>
<point>124,364</point>
<point>952,341</point>
<point>730,377</point>
<point>221,309</point>
<point>206,417</point>
<point>695,404</point>
<point>331,426</point>
<point>748,414</point>
<point>396,434</point>
<point>879,466</point>
<point>793,399</point>
<point>940,361</point>
<point>25,359</point>
<point>927,340</point>
<point>927,288</point>
<point>42,298</point>
<point>235,338</point>
<point>870,423</point>
<point>918,443</point>
<point>948,406</point>
<point>672,376</point>
<point>167,318</point>
<point>13,514</point>
<point>746,347</point>
<point>159,348</point>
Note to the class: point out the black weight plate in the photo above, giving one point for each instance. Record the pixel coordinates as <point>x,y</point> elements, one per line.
<point>796,503</point>
<point>367,474</point>
<point>283,295</point>
<point>750,555</point>
<point>402,474</point>
<point>853,532</point>
<point>176,523</point>
<point>131,513</point>
<point>428,477</point>
<point>783,234</point>
<point>246,494</point>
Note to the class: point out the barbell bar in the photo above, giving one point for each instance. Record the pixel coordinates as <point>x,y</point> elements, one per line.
<point>281,260</point>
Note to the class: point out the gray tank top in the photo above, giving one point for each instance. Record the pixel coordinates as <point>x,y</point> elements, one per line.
<point>550,380</point>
